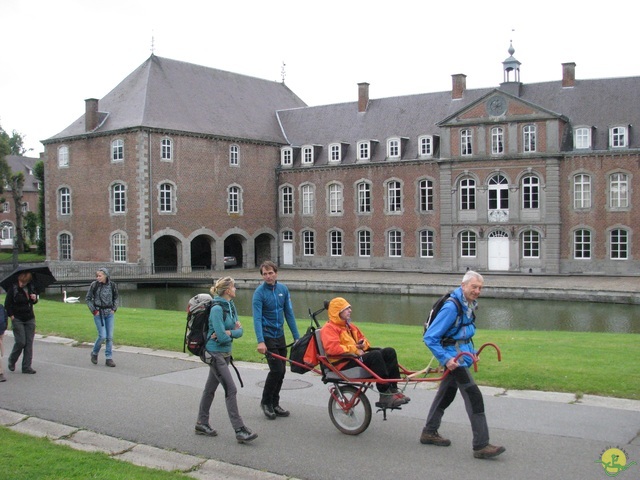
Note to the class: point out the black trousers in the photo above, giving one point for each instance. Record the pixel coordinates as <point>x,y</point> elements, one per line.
<point>383,362</point>
<point>277,369</point>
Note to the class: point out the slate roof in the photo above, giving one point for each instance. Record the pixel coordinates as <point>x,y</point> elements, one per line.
<point>178,96</point>
<point>18,163</point>
<point>594,103</point>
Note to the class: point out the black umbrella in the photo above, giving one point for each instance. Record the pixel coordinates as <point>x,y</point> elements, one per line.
<point>42,278</point>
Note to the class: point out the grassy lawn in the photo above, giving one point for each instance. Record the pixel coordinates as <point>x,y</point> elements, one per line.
<point>27,458</point>
<point>578,363</point>
<point>7,257</point>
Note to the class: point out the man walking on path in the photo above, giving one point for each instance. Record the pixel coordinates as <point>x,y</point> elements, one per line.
<point>449,334</point>
<point>271,307</point>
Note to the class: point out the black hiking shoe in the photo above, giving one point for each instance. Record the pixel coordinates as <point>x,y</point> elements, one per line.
<point>244,435</point>
<point>205,429</point>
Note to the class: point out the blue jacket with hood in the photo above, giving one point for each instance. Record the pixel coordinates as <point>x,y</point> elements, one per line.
<point>271,307</point>
<point>445,326</point>
<point>222,317</point>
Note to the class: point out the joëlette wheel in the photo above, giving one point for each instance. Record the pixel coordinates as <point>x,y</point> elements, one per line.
<point>351,420</point>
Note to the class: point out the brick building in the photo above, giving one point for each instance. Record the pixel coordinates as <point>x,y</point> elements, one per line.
<point>180,165</point>
<point>30,193</point>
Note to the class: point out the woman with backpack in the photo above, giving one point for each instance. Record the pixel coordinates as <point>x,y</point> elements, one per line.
<point>102,300</point>
<point>19,302</point>
<point>223,328</point>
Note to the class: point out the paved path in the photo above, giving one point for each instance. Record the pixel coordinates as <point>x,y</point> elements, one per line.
<point>143,411</point>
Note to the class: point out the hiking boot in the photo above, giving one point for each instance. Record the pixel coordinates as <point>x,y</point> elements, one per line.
<point>110,363</point>
<point>280,412</point>
<point>12,366</point>
<point>268,411</point>
<point>489,451</point>
<point>400,395</point>
<point>28,370</point>
<point>388,400</point>
<point>205,429</point>
<point>433,438</point>
<point>2,379</point>
<point>243,435</point>
<point>94,358</point>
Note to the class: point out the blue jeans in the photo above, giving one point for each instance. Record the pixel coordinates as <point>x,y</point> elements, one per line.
<point>104,324</point>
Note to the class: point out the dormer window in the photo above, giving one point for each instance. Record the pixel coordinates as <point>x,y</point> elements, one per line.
<point>582,138</point>
<point>286,156</point>
<point>393,148</point>
<point>335,153</point>
<point>618,137</point>
<point>425,146</point>
<point>364,151</point>
<point>307,155</point>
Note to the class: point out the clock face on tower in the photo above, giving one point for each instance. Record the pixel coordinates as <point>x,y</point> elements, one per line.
<point>497,106</point>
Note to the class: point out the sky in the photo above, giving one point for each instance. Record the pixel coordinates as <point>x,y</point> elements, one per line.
<point>58,53</point>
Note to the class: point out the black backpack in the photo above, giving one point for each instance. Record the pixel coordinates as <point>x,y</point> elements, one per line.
<point>437,306</point>
<point>196,332</point>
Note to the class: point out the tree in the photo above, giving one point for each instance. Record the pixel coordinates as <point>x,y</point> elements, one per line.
<point>38,172</point>
<point>15,181</point>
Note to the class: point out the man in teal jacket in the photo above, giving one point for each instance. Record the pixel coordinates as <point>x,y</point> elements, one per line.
<point>271,307</point>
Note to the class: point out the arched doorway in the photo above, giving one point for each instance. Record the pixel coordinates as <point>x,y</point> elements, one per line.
<point>201,253</point>
<point>165,254</point>
<point>233,247</point>
<point>263,248</point>
<point>498,250</point>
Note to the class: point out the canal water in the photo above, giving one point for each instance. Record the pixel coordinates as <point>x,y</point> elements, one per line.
<point>493,314</point>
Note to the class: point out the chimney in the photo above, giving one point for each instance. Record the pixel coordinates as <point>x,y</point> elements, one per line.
<point>90,114</point>
<point>363,96</point>
<point>568,74</point>
<point>459,85</point>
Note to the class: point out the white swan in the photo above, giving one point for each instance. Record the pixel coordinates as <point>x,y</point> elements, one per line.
<point>70,299</point>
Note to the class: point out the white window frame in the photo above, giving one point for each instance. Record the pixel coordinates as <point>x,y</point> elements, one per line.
<point>335,153</point>
<point>286,156</point>
<point>619,244</point>
<point>234,155</point>
<point>466,142</point>
<point>336,200</point>
<point>166,150</point>
<point>582,138</point>
<point>394,149</point>
<point>468,244</point>
<point>394,197</point>
<point>619,191</point>
<point>363,198</point>
<point>364,243</point>
<point>425,146</point>
<point>234,199</point>
<point>529,138</point>
<point>63,156</point>
<point>497,141</point>
<point>426,239</point>
<point>581,191</point>
<point>364,151</point>
<point>6,207</point>
<point>467,198</point>
<point>394,241</point>
<point>308,243</point>
<point>618,136</point>
<point>582,244</point>
<point>286,200</point>
<point>166,198</point>
<point>64,246</point>
<point>119,247</point>
<point>307,155</point>
<point>335,243</point>
<point>119,198</point>
<point>307,195</point>
<point>64,201</point>
<point>117,150</point>
<point>530,192</point>
<point>531,244</point>
<point>425,195</point>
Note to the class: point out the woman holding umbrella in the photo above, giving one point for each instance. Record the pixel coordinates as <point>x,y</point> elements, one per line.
<point>19,301</point>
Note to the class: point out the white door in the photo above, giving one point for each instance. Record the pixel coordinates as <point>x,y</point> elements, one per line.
<point>287,253</point>
<point>498,250</point>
